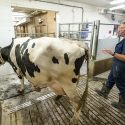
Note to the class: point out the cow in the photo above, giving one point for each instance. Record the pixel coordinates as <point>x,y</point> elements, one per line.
<point>48,62</point>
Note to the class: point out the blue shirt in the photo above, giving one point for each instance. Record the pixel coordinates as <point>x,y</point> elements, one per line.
<point>120,49</point>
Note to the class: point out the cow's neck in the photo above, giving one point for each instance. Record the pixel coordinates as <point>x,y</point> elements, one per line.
<point>5,53</point>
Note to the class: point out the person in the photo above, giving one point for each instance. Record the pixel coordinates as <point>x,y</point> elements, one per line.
<point>117,73</point>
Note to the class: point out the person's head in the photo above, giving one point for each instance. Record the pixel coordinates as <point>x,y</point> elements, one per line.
<point>121,30</point>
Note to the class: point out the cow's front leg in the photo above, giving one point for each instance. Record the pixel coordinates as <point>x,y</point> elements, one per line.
<point>21,88</point>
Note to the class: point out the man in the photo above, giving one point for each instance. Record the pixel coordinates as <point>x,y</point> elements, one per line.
<point>117,74</point>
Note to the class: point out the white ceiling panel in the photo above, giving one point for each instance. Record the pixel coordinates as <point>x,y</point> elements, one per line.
<point>101,3</point>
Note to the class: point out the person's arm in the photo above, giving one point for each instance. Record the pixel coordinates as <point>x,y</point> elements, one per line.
<point>119,56</point>
<point>116,55</point>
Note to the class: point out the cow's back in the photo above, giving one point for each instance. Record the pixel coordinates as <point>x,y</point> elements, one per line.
<point>52,58</point>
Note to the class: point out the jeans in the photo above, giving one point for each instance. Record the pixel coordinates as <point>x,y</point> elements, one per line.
<point>117,76</point>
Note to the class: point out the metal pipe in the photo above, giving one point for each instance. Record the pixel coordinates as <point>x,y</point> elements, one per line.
<point>95,39</point>
<point>115,13</point>
<point>69,31</point>
<point>64,5</point>
<point>77,31</point>
<point>89,23</point>
<point>108,24</point>
<point>92,36</point>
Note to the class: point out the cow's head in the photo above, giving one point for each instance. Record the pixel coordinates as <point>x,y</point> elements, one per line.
<point>1,58</point>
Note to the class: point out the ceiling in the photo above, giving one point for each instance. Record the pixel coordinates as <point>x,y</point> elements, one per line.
<point>100,3</point>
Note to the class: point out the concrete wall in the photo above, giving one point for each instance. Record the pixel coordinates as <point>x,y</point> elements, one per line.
<point>6,31</point>
<point>101,66</point>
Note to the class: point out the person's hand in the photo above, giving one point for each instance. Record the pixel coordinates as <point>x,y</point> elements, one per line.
<point>107,51</point>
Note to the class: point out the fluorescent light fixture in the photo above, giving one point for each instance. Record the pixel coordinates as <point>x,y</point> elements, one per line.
<point>117,7</point>
<point>117,2</point>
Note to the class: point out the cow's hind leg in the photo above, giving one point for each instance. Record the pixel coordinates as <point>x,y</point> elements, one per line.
<point>21,88</point>
<point>69,89</point>
<point>71,92</point>
<point>58,90</point>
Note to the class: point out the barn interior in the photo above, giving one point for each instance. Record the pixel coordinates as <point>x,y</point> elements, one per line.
<point>34,23</point>
<point>96,23</point>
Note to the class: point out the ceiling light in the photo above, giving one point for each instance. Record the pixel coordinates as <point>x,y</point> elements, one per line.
<point>117,2</point>
<point>117,7</point>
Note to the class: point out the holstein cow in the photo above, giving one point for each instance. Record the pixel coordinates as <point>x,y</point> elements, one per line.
<point>48,62</point>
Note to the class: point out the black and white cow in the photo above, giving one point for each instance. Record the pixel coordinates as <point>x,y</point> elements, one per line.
<point>47,62</point>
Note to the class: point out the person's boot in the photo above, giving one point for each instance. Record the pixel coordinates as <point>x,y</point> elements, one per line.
<point>120,104</point>
<point>104,92</point>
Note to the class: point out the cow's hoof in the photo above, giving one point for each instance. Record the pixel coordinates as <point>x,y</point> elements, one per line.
<point>38,89</point>
<point>58,97</point>
<point>20,91</point>
<point>74,121</point>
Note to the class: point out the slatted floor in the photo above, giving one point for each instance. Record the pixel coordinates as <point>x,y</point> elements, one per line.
<point>25,110</point>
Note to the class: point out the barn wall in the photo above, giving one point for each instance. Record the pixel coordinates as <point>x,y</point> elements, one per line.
<point>101,66</point>
<point>6,31</point>
<point>48,25</point>
<point>69,14</point>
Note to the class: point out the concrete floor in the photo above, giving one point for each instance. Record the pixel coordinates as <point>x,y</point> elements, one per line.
<point>39,108</point>
<point>9,85</point>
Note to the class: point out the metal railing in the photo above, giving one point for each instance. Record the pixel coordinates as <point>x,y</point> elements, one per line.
<point>90,34</point>
<point>96,36</point>
<point>76,31</point>
<point>34,35</point>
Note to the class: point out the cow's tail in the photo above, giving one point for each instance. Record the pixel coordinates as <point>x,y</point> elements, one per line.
<point>85,94</point>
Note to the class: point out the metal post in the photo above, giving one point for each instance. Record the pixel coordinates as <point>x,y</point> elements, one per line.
<point>69,31</point>
<point>95,39</point>
<point>92,36</point>
<point>79,37</point>
<point>47,28</point>
<point>59,30</point>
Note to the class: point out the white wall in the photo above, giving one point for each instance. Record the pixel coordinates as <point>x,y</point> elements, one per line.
<point>66,14</point>
<point>6,30</point>
<point>69,14</point>
<point>91,13</point>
